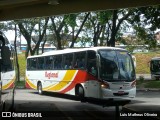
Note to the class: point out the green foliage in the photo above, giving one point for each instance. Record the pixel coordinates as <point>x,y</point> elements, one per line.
<point>130,48</point>
<point>152,84</point>
<point>148,84</point>
<point>104,16</point>
<point>141,79</point>
<point>147,16</point>
<point>71,20</point>
<point>145,37</point>
<point>142,62</point>
<point>22,64</point>
<point>20,84</point>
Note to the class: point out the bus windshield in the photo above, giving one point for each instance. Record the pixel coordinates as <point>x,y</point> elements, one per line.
<point>116,66</point>
<point>155,65</point>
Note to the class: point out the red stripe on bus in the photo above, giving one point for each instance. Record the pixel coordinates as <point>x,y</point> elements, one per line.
<point>11,86</point>
<point>27,86</point>
<point>80,77</point>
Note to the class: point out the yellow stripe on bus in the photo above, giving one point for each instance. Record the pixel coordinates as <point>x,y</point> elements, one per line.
<point>30,84</point>
<point>8,85</point>
<point>67,78</point>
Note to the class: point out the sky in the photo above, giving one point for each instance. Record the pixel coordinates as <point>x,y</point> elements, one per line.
<point>10,34</point>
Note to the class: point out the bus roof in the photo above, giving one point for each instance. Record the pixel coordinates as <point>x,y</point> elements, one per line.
<point>155,58</point>
<point>71,50</point>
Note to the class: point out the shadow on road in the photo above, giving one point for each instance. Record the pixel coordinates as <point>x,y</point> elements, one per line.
<point>52,94</point>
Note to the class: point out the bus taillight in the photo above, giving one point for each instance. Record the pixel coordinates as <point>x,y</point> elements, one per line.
<point>133,83</point>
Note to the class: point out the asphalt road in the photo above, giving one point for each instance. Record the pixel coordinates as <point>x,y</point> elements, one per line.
<point>59,107</point>
<point>147,103</point>
<point>28,103</point>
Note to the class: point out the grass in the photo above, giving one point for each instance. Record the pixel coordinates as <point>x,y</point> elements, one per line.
<point>20,84</point>
<point>22,64</point>
<point>148,84</point>
<point>143,59</point>
<point>152,84</point>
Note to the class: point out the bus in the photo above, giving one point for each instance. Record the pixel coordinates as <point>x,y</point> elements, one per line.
<point>155,68</point>
<point>97,72</point>
<point>7,74</point>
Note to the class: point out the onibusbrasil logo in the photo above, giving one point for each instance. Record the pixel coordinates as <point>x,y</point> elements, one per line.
<point>14,114</point>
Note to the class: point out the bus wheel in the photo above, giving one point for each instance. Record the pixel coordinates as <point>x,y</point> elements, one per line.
<point>39,88</point>
<point>81,93</point>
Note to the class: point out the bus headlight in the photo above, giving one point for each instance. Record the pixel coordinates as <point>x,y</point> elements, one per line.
<point>105,85</point>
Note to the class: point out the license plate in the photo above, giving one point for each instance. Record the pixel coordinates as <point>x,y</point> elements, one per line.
<point>120,92</point>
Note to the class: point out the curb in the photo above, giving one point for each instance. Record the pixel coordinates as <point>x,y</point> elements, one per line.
<point>148,89</point>
<point>20,87</point>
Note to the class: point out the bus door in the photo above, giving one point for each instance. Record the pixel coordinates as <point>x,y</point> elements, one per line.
<point>93,86</point>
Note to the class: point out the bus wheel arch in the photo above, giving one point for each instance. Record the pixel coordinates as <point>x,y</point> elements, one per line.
<point>79,91</point>
<point>39,87</point>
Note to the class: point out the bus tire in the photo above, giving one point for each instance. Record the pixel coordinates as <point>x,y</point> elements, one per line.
<point>39,88</point>
<point>81,93</point>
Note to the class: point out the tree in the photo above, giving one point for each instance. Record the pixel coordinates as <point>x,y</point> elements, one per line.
<point>118,17</point>
<point>145,37</point>
<point>71,21</point>
<point>28,27</point>
<point>16,56</point>
<point>57,25</point>
<point>147,16</point>
<point>145,21</point>
<point>97,27</point>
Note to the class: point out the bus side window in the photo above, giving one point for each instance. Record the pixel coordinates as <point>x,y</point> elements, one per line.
<point>28,64</point>
<point>79,61</point>
<point>58,62</point>
<point>48,63</point>
<point>68,61</point>
<point>40,63</point>
<point>33,63</point>
<point>91,62</point>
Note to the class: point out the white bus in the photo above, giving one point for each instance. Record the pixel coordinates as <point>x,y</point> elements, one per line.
<point>155,68</point>
<point>98,72</point>
<point>7,74</point>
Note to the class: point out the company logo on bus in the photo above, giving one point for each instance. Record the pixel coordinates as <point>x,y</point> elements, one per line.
<point>51,75</point>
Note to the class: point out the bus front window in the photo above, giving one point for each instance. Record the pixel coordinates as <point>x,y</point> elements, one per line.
<point>116,65</point>
<point>155,66</point>
<point>109,65</point>
<point>126,66</point>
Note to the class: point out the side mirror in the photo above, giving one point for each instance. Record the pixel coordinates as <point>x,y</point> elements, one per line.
<point>134,61</point>
<point>5,54</point>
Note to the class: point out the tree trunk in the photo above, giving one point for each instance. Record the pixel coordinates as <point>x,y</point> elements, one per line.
<point>113,34</point>
<point>17,72</point>
<point>44,43</point>
<point>80,29</point>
